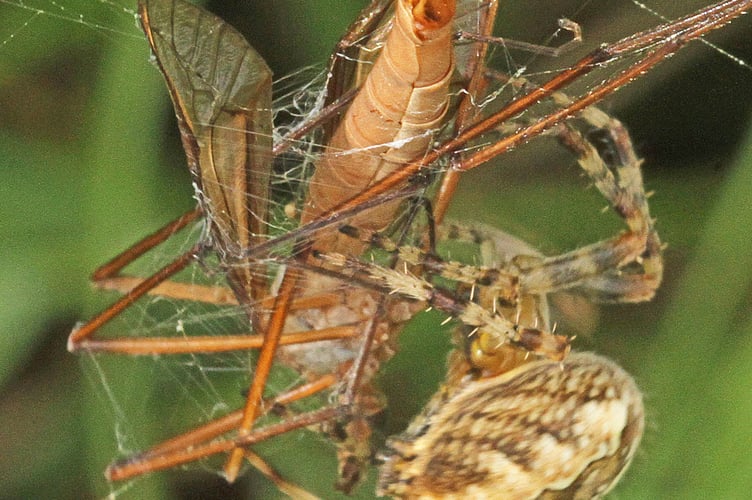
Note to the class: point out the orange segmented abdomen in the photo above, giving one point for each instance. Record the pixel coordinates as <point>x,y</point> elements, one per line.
<point>392,120</point>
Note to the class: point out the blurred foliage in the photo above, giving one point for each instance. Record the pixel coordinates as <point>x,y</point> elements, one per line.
<point>91,162</point>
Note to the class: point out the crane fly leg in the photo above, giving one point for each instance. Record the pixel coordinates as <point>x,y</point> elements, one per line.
<point>272,337</point>
<point>173,449</point>
<point>286,487</point>
<point>87,330</point>
<point>116,264</point>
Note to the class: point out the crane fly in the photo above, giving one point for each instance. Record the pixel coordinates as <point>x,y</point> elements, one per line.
<point>330,318</point>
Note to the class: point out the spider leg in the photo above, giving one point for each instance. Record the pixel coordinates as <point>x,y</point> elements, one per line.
<point>496,324</point>
<point>625,268</point>
<point>638,268</point>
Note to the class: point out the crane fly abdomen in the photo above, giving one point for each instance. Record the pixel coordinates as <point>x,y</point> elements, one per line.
<point>392,120</point>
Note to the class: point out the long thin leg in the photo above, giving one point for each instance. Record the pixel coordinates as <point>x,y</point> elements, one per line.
<point>289,489</point>
<point>142,465</point>
<point>116,264</point>
<point>198,344</point>
<point>196,437</point>
<point>207,294</point>
<point>272,338</point>
<point>113,267</point>
<point>466,112</point>
<point>85,331</point>
<point>108,275</point>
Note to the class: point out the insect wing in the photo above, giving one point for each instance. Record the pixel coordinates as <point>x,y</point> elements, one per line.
<point>221,89</point>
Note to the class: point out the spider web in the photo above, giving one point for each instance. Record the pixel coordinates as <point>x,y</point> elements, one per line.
<point>189,389</point>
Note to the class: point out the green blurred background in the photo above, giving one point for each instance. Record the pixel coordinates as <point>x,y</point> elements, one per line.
<point>90,162</point>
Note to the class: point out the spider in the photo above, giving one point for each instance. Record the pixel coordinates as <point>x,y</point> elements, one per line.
<point>626,267</point>
<point>502,406</point>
